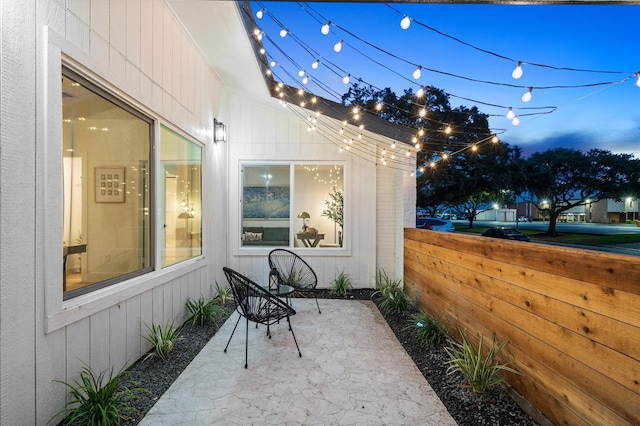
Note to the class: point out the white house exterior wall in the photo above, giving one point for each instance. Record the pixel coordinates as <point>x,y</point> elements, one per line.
<point>139,50</point>
<point>375,196</point>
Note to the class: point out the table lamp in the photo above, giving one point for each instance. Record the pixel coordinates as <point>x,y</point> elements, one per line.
<point>304,216</point>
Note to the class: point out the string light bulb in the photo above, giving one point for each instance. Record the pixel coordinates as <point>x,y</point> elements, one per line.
<point>418,72</point>
<point>379,106</point>
<point>338,46</point>
<point>305,79</point>
<point>527,95</point>
<point>301,73</point>
<point>420,92</point>
<point>315,64</point>
<point>510,115</point>
<point>515,121</point>
<point>260,13</point>
<point>422,112</point>
<point>405,23</point>
<point>284,32</point>
<point>495,139</point>
<point>445,156</point>
<point>326,28</point>
<point>346,78</point>
<point>638,82</point>
<point>517,72</point>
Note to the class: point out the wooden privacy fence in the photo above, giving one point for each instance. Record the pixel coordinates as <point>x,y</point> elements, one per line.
<point>571,316</point>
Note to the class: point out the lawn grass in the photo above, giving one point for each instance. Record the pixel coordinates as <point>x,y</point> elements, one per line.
<point>568,238</point>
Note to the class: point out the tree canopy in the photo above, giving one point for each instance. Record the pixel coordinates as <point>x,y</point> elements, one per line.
<point>559,179</point>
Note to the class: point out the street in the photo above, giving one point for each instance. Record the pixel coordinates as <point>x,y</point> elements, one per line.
<point>570,227</point>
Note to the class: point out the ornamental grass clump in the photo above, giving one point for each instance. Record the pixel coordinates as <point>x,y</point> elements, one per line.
<point>162,339</point>
<point>341,284</point>
<point>480,373</point>
<point>203,311</point>
<point>224,294</point>
<point>390,291</point>
<point>428,330</point>
<point>98,399</point>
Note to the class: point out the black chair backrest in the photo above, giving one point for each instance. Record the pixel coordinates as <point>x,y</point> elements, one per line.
<point>255,302</point>
<point>292,270</point>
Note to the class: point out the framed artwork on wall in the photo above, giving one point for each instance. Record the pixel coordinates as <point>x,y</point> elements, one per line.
<point>110,184</point>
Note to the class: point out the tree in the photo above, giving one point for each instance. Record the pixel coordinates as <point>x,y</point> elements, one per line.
<point>463,176</point>
<point>560,179</point>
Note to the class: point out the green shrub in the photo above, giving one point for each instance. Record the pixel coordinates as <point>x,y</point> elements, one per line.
<point>99,400</point>
<point>162,339</point>
<point>224,294</point>
<point>341,284</point>
<point>390,291</point>
<point>427,330</point>
<point>202,311</point>
<point>384,284</point>
<point>396,300</point>
<point>480,373</point>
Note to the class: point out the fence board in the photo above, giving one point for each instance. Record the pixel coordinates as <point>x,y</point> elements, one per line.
<point>574,331</point>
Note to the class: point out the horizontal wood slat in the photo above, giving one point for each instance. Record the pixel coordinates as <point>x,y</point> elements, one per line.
<point>572,317</point>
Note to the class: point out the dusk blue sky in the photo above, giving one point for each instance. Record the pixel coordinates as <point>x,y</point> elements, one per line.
<point>591,37</point>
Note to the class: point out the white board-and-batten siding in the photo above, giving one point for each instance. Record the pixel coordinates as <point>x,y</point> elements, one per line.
<point>139,51</point>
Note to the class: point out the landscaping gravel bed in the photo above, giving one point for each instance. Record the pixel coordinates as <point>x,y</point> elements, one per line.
<point>495,407</point>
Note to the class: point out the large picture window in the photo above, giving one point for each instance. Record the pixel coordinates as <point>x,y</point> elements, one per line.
<point>181,162</point>
<point>292,205</point>
<point>107,186</point>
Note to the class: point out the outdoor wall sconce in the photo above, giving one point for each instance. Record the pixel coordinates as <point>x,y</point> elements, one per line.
<point>219,132</point>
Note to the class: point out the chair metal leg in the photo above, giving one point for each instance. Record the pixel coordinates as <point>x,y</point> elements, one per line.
<point>317,303</point>
<point>295,340</point>
<point>246,345</point>
<point>234,330</point>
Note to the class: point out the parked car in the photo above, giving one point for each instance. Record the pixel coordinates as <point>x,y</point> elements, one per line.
<point>434,224</point>
<point>505,233</point>
<point>524,219</point>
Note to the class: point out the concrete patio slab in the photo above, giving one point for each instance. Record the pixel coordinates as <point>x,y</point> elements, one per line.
<point>353,371</point>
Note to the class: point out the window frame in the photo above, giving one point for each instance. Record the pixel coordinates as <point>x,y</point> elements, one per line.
<point>99,90</point>
<point>344,250</point>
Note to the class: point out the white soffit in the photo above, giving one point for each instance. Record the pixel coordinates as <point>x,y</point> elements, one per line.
<point>217,28</point>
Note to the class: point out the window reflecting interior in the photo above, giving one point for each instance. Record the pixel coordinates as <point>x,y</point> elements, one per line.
<point>181,162</point>
<point>106,178</point>
<point>318,205</point>
<point>266,198</point>
<point>297,205</point>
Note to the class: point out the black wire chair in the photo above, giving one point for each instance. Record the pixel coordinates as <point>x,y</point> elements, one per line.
<point>256,304</point>
<point>294,271</point>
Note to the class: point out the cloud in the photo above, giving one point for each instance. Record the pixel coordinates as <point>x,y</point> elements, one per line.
<point>619,142</point>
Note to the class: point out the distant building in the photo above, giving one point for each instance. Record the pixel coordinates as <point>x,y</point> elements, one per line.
<point>603,211</point>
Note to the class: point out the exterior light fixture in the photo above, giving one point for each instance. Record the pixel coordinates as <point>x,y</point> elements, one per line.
<point>338,46</point>
<point>219,132</point>
<point>515,121</point>
<point>418,72</point>
<point>326,28</point>
<point>527,95</point>
<point>315,64</point>
<point>260,13</point>
<point>510,115</point>
<point>405,23</point>
<point>517,72</point>
<point>284,32</point>
<point>346,78</point>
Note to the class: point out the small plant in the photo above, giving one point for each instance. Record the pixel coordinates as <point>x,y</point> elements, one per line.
<point>99,399</point>
<point>427,330</point>
<point>224,294</point>
<point>393,298</point>
<point>294,278</point>
<point>396,300</point>
<point>202,311</point>
<point>162,339</point>
<point>341,284</point>
<point>480,373</point>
